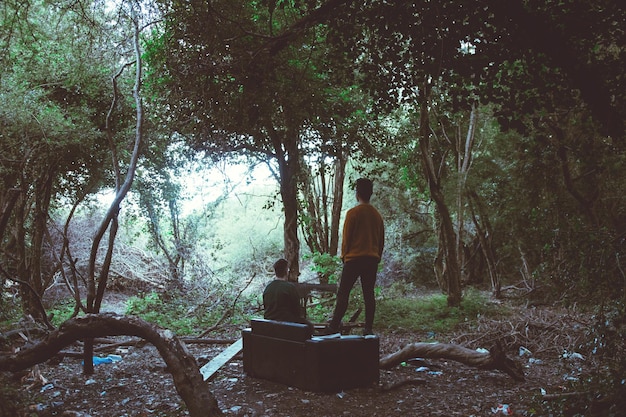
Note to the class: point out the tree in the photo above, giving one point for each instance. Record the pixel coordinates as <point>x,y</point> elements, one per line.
<point>255,99</point>
<point>346,132</point>
<point>51,145</point>
<point>398,45</point>
<point>159,187</point>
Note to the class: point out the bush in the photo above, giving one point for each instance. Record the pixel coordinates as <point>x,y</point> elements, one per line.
<point>171,315</point>
<point>328,267</point>
<point>61,312</point>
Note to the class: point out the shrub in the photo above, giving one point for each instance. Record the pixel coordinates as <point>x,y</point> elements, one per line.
<point>61,312</point>
<point>328,267</point>
<point>171,315</point>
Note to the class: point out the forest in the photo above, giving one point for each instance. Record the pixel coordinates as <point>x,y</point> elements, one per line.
<point>157,157</point>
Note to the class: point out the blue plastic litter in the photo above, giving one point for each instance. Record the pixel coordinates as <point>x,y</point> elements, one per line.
<point>97,360</point>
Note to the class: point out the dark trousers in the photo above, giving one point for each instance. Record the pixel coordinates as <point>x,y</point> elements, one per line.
<point>366,269</point>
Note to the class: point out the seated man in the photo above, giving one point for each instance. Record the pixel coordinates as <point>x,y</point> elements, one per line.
<point>280,298</point>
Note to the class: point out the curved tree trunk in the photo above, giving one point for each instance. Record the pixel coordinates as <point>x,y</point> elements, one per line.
<point>182,365</point>
<point>452,271</point>
<point>494,359</point>
<point>97,288</point>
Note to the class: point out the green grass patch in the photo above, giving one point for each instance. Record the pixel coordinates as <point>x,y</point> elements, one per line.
<point>431,314</point>
<point>176,313</point>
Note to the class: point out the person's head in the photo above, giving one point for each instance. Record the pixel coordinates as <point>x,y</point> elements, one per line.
<point>364,189</point>
<point>281,267</point>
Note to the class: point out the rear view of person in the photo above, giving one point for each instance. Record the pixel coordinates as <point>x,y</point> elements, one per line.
<point>281,301</point>
<point>361,251</point>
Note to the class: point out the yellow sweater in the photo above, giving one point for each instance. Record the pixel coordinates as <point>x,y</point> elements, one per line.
<point>363,233</point>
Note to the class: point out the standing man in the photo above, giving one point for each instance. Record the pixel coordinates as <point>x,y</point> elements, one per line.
<point>361,250</point>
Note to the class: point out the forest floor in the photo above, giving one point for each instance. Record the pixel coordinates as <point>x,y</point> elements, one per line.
<point>139,384</point>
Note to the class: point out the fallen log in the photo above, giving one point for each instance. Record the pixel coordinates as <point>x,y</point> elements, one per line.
<point>495,358</point>
<point>180,362</point>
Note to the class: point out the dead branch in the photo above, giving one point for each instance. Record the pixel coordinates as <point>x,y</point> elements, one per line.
<point>494,359</point>
<point>562,395</point>
<point>180,362</point>
<point>229,311</point>
<point>112,346</point>
<point>201,341</point>
<point>539,330</point>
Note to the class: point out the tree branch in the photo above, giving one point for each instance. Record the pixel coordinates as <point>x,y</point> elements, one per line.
<point>180,363</point>
<point>494,359</point>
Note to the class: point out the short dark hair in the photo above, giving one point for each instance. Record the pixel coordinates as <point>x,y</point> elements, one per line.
<point>364,188</point>
<point>280,267</point>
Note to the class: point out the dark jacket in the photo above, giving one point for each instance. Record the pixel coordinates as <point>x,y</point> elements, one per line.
<point>281,301</point>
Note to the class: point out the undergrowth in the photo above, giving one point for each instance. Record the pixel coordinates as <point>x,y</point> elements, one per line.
<point>11,397</point>
<point>402,307</point>
<point>399,307</point>
<point>61,312</point>
<point>172,315</point>
<point>430,314</point>
<point>178,314</point>
<point>603,393</point>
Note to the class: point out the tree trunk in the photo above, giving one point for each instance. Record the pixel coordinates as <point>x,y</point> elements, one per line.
<point>494,359</point>
<point>7,203</point>
<point>484,235</point>
<point>289,194</point>
<point>180,363</point>
<point>448,236</point>
<point>464,150</point>
<point>340,175</point>
<point>96,289</point>
<point>324,197</point>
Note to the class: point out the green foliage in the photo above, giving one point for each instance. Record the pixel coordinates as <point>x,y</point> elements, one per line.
<point>401,307</point>
<point>170,315</point>
<point>327,266</point>
<point>180,314</point>
<point>61,312</point>
<point>430,314</point>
